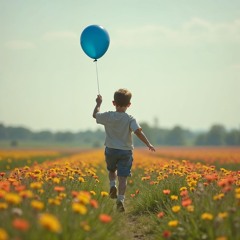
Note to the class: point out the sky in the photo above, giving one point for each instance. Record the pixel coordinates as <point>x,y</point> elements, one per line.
<point>179,58</point>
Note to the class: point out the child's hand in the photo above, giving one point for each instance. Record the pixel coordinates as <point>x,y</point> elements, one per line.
<point>151,148</point>
<point>99,100</point>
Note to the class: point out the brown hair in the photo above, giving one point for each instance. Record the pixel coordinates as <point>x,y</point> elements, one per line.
<point>122,97</point>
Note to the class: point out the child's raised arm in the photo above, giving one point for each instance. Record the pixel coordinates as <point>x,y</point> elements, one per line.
<point>139,133</point>
<point>97,108</point>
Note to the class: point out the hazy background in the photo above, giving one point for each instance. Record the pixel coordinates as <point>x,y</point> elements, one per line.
<point>180,59</point>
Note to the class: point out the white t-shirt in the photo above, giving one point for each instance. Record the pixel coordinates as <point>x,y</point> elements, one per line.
<point>118,127</point>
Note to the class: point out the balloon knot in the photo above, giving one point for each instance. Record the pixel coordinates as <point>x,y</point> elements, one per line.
<point>95,60</point>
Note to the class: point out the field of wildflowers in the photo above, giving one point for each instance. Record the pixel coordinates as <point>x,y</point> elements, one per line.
<point>177,193</point>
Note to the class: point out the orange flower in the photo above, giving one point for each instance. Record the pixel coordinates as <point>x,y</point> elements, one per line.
<point>160,215</point>
<point>94,203</point>
<point>186,202</point>
<point>74,193</point>
<point>59,189</point>
<point>211,177</point>
<point>166,191</point>
<point>184,193</point>
<point>105,218</point>
<point>20,224</point>
<point>20,188</point>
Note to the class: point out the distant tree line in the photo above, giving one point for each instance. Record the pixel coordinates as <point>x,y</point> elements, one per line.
<point>217,135</point>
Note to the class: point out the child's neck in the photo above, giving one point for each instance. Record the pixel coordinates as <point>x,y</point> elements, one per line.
<point>121,109</point>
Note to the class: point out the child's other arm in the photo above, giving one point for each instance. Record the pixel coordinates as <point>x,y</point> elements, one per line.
<point>97,108</point>
<point>144,139</point>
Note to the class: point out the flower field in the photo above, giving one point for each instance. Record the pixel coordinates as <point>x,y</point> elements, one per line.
<point>175,193</point>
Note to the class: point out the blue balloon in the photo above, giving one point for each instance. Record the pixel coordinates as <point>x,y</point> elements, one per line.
<point>94,41</point>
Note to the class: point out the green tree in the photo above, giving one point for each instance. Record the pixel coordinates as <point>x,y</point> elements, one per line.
<point>216,135</point>
<point>233,138</point>
<point>176,137</point>
<point>201,139</point>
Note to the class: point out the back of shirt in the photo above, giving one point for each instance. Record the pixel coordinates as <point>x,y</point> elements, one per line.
<point>118,127</point>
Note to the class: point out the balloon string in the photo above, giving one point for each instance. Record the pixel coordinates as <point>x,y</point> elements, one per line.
<point>97,76</point>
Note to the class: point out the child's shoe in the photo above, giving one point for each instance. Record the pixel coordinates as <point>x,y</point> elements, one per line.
<point>113,192</point>
<point>120,206</point>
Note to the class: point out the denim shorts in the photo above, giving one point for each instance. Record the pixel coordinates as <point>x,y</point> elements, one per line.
<point>120,160</point>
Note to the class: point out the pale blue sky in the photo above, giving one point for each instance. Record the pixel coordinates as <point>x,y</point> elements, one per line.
<point>180,59</point>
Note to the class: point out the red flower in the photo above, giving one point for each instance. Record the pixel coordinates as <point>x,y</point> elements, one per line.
<point>166,234</point>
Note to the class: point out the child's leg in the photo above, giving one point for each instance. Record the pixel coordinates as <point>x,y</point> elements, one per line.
<point>122,181</point>
<point>112,178</point>
<point>122,184</point>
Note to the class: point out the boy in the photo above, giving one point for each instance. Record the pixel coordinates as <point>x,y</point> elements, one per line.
<point>118,151</point>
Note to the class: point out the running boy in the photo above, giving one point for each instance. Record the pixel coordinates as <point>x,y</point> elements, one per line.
<point>119,145</point>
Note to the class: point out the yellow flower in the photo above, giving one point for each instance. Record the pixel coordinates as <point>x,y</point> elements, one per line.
<point>190,208</point>
<point>93,193</point>
<point>56,180</point>
<point>222,238</point>
<point>81,179</point>
<point>174,197</point>
<point>71,178</point>
<point>62,195</point>
<point>85,226</point>
<point>207,216</point>
<point>84,197</point>
<point>104,194</point>
<point>3,234</point>
<point>192,183</point>
<point>237,195</point>
<point>223,215</point>
<point>26,194</point>
<point>36,185</point>
<point>79,208</point>
<point>173,223</point>
<point>54,201</point>
<point>50,222</point>
<point>2,193</point>
<point>176,208</point>
<point>218,196</point>
<point>13,198</point>
<point>37,205</point>
<point>3,205</point>
<point>183,189</point>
